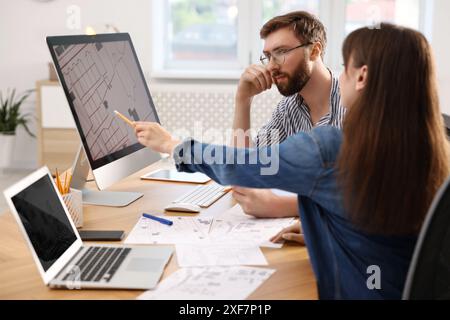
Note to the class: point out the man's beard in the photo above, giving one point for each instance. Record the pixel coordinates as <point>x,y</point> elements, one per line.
<point>294,84</point>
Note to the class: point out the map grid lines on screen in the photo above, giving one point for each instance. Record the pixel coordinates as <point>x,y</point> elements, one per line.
<point>102,77</point>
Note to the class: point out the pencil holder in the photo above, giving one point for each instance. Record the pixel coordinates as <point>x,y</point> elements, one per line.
<point>74,203</point>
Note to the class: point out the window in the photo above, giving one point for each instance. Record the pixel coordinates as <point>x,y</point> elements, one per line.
<point>272,8</point>
<point>202,31</point>
<point>217,39</point>
<point>361,13</point>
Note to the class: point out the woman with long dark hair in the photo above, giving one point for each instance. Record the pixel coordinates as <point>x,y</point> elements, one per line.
<point>363,192</point>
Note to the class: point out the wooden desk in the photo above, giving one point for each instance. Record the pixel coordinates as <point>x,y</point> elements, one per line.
<point>20,279</point>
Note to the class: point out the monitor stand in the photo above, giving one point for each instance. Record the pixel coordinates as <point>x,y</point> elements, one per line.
<point>109,198</point>
<point>80,172</point>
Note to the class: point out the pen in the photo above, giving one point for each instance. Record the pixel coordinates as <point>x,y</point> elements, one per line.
<point>121,116</point>
<point>160,220</point>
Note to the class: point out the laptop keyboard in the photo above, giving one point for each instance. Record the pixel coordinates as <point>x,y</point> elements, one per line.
<point>203,196</point>
<point>97,264</point>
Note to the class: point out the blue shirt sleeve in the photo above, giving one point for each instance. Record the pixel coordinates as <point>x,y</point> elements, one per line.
<point>293,166</point>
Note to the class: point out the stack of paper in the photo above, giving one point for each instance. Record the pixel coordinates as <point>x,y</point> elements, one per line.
<point>211,252</point>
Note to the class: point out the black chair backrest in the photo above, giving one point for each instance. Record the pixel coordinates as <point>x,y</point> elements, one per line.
<point>429,272</point>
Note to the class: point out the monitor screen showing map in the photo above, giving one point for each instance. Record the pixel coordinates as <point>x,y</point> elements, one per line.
<point>101,74</point>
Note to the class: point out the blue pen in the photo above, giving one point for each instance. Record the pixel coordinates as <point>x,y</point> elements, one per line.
<point>160,220</point>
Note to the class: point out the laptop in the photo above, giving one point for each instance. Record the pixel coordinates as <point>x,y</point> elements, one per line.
<point>60,256</point>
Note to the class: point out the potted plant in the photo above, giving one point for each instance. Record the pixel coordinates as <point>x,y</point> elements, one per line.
<point>11,118</point>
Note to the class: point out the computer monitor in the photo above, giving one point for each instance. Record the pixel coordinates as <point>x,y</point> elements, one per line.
<point>101,74</point>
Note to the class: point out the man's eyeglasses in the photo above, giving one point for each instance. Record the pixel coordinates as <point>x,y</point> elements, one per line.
<point>279,56</point>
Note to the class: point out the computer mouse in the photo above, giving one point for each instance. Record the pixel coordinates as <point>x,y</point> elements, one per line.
<point>183,207</point>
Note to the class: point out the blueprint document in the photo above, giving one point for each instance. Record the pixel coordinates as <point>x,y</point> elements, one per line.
<point>183,230</point>
<point>211,283</point>
<point>233,227</point>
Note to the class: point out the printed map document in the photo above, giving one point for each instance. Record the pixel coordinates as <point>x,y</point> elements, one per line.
<point>210,283</point>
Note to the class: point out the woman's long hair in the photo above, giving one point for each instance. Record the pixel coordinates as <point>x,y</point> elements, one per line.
<point>395,152</point>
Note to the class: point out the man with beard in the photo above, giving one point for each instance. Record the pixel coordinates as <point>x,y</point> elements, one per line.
<point>293,61</point>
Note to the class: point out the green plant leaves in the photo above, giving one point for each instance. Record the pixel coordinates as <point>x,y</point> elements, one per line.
<point>10,114</point>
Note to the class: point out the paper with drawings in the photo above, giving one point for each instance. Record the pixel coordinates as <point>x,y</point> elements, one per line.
<point>195,255</point>
<point>183,230</point>
<point>211,283</point>
<point>232,227</point>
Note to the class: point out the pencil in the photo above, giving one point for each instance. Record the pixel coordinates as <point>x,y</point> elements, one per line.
<point>66,185</point>
<point>227,189</point>
<point>58,183</point>
<point>70,181</point>
<point>121,116</point>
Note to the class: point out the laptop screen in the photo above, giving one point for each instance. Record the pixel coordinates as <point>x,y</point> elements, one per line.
<point>45,221</point>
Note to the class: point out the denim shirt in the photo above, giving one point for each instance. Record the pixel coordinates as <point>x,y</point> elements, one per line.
<point>348,263</point>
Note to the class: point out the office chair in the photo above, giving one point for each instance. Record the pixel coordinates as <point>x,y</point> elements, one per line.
<point>429,272</point>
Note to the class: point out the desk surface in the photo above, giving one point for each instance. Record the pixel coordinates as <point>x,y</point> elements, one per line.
<point>20,279</point>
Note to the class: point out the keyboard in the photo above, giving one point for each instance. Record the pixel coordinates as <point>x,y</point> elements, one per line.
<point>204,196</point>
<point>97,264</point>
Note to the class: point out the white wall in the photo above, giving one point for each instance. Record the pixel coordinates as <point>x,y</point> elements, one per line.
<point>24,24</point>
<point>24,56</point>
<point>441,46</point>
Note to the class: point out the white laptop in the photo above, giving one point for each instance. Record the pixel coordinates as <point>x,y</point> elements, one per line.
<point>58,251</point>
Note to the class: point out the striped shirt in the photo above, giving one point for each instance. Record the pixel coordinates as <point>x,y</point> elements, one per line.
<point>292,116</point>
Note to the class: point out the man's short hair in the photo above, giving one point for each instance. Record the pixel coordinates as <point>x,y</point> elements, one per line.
<point>306,27</point>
